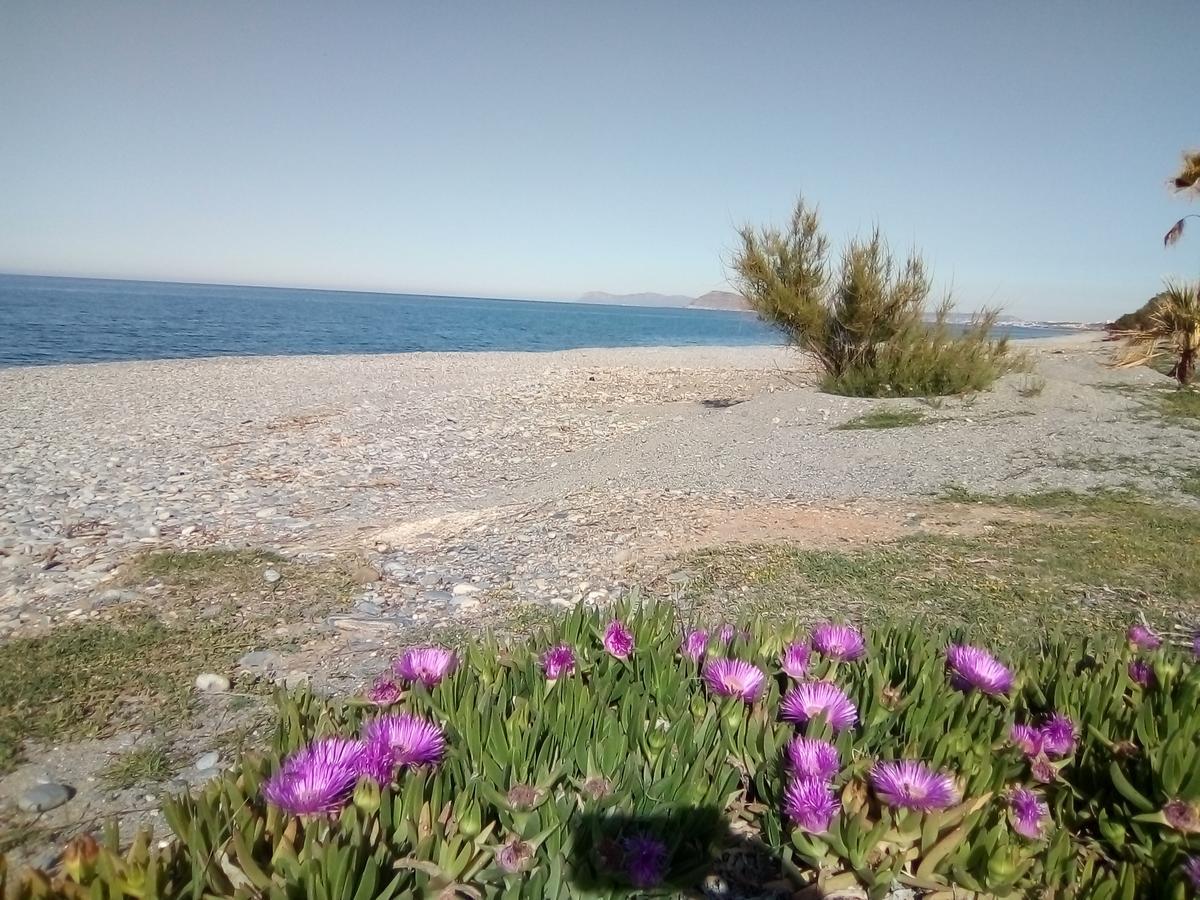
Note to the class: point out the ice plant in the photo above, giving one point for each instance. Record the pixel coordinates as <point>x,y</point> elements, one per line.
<point>318,778</point>
<point>840,642</point>
<point>794,660</point>
<point>910,784</point>
<point>733,678</point>
<point>1191,868</point>
<point>410,740</point>
<point>513,855</point>
<point>384,692</point>
<point>810,804</point>
<point>1058,736</point>
<point>813,698</point>
<point>1030,814</point>
<point>1182,816</point>
<point>812,758</point>
<point>694,644</point>
<point>618,640</point>
<point>1141,673</point>
<point>729,633</point>
<point>1143,637</point>
<point>645,860</point>
<point>558,661</point>
<point>378,762</point>
<point>1028,738</point>
<point>972,668</point>
<point>428,665</point>
<point>1043,770</point>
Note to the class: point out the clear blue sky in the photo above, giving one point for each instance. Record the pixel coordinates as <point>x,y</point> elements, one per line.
<point>546,149</point>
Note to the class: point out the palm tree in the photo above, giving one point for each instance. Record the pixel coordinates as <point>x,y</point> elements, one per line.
<point>1174,331</point>
<point>1186,182</point>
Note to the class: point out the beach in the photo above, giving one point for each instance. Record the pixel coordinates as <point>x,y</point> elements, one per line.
<point>583,461</point>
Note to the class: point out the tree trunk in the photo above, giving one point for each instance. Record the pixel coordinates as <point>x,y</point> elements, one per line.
<point>1186,367</point>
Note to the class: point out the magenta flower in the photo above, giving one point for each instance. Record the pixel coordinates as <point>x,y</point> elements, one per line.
<point>1141,673</point>
<point>840,642</point>
<point>812,758</point>
<point>618,640</point>
<point>411,740</point>
<point>729,633</point>
<point>1028,738</point>
<point>428,665</point>
<point>377,762</point>
<point>1030,814</point>
<point>384,692</point>
<point>909,784</point>
<point>318,778</point>
<point>810,803</point>
<point>733,678</point>
<point>558,661</point>
<point>1043,770</point>
<point>1196,653</point>
<point>1058,736</point>
<point>1191,868</point>
<point>694,644</point>
<point>1143,637</point>
<point>814,698</point>
<point>794,660</point>
<point>645,860</point>
<point>975,668</point>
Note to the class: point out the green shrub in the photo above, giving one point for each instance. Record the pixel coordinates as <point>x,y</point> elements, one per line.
<point>545,783</point>
<point>867,326</point>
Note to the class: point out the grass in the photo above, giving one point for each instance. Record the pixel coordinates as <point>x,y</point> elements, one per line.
<point>84,680</point>
<point>1031,386</point>
<point>144,765</point>
<point>1189,482</point>
<point>1182,407</point>
<point>885,418</point>
<point>1077,564</point>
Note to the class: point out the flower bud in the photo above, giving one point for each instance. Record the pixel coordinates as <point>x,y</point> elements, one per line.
<point>699,706</point>
<point>367,795</point>
<point>470,820</point>
<point>733,715</point>
<point>79,859</point>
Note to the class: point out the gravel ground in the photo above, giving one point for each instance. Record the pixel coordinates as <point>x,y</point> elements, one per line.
<point>616,446</point>
<point>469,482</point>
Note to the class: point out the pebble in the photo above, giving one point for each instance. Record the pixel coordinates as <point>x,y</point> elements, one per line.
<point>208,760</point>
<point>270,576</point>
<point>465,590</point>
<point>43,797</point>
<point>211,683</point>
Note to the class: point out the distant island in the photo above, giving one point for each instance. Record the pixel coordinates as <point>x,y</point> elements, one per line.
<point>712,300</point>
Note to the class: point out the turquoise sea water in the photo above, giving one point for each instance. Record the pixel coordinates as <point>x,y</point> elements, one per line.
<point>59,320</point>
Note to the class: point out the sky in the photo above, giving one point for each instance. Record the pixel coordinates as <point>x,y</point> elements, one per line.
<point>546,149</point>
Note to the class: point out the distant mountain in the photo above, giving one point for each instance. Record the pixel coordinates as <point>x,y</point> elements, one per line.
<point>647,299</point>
<point>720,300</point>
<point>711,300</point>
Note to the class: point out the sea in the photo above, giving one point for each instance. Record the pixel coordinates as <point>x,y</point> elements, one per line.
<point>50,320</point>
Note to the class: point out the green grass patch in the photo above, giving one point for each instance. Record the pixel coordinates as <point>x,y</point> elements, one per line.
<point>1084,563</point>
<point>144,765</point>
<point>1189,482</point>
<point>88,680</point>
<point>1181,407</point>
<point>885,417</point>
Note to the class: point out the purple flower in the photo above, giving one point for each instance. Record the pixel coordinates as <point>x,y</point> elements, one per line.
<point>1191,868</point>
<point>384,692</point>
<point>377,762</point>
<point>729,633</point>
<point>1028,738</point>
<point>618,640</point>
<point>1058,736</point>
<point>645,860</point>
<point>813,758</point>
<point>558,661</point>
<point>1182,816</point>
<point>1143,637</point>
<point>1196,653</point>
<point>428,665</point>
<point>838,641</point>
<point>513,855</point>
<point>318,778</point>
<point>910,784</point>
<point>975,668</point>
<point>794,660</point>
<point>810,803</point>
<point>694,644</point>
<point>733,678</point>
<point>411,740</point>
<point>1030,813</point>
<point>1141,673</point>
<point>1043,770</point>
<point>813,698</point>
